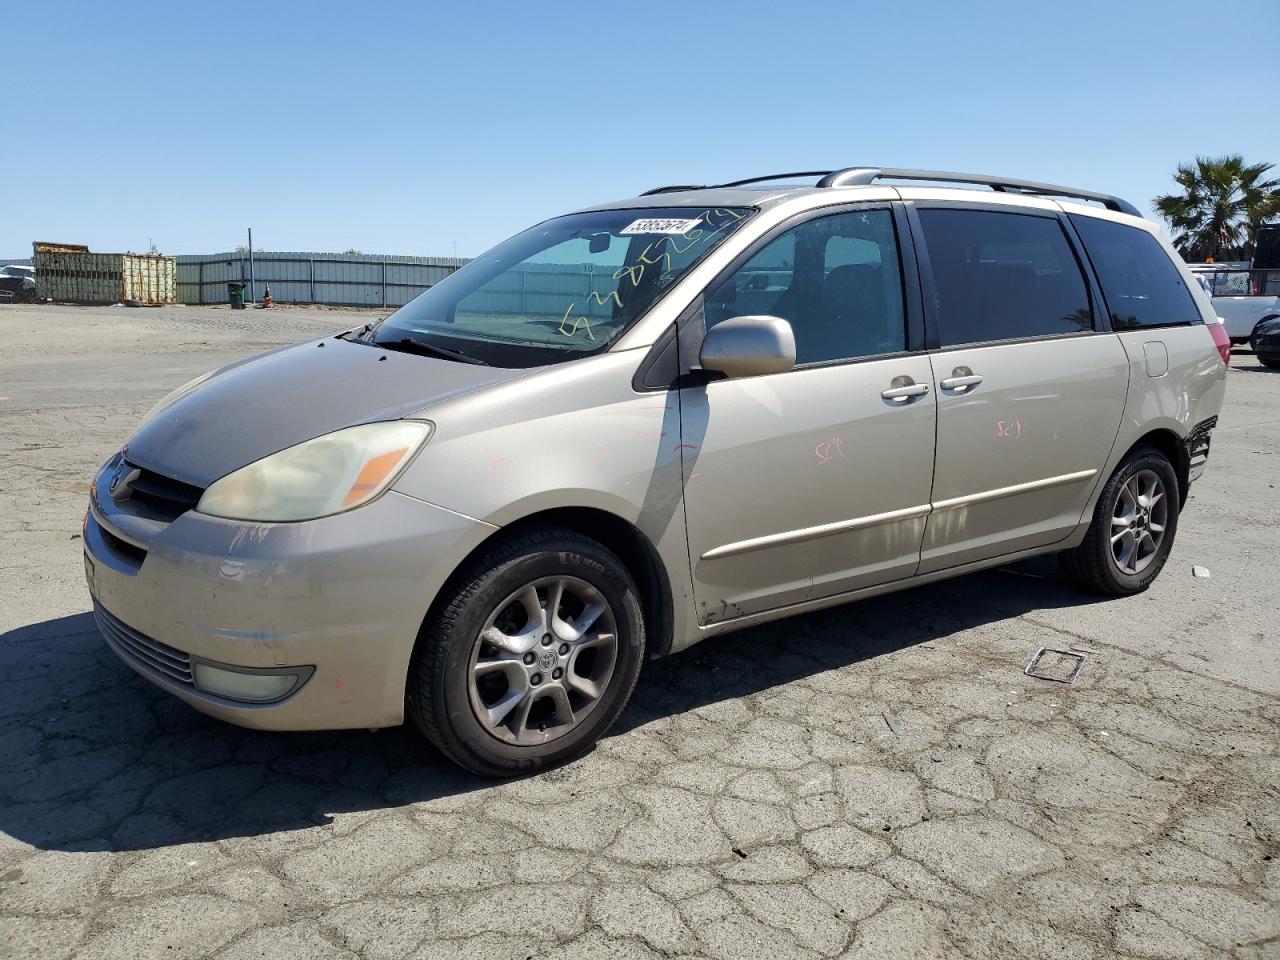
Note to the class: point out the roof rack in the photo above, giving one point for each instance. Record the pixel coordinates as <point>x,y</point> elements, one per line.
<point>858,176</point>
<point>675,188</point>
<point>862,176</point>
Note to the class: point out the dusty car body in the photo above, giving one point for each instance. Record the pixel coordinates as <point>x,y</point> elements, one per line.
<point>819,393</point>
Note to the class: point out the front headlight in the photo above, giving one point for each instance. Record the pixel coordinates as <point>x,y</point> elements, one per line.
<point>330,474</point>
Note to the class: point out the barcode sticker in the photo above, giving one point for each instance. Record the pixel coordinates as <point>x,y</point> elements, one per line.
<point>659,225</point>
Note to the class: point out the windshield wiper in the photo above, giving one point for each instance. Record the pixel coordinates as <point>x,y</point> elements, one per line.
<point>362,334</point>
<point>409,345</point>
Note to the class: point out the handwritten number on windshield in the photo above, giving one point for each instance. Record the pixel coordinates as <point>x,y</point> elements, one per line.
<point>648,257</point>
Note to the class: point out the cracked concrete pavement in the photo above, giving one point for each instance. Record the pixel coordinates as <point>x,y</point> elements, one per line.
<point>753,801</point>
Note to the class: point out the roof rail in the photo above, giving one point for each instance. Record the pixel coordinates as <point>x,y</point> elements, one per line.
<point>736,183</point>
<point>860,176</point>
<point>674,188</point>
<point>775,176</point>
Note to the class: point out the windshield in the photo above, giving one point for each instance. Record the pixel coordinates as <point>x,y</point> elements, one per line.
<point>563,289</point>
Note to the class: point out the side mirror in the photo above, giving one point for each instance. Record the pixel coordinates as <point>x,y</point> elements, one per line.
<point>749,347</point>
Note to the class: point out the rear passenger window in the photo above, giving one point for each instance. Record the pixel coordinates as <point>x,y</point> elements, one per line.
<point>835,279</point>
<point>1142,286</point>
<point>1000,276</point>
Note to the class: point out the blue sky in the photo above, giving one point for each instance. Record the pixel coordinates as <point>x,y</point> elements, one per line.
<point>420,129</point>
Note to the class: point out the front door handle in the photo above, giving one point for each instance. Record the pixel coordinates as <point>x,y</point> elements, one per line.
<point>960,383</point>
<point>904,393</point>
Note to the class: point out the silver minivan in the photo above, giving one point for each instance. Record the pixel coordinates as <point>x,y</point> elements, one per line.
<point>650,422</point>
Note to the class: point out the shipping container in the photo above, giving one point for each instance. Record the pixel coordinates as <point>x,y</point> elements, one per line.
<point>70,273</point>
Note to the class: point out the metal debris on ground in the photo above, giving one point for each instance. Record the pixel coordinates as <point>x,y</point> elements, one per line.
<point>1052,669</point>
<point>1201,572</point>
<point>893,722</point>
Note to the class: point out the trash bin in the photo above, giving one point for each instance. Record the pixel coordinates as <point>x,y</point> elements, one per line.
<point>235,294</point>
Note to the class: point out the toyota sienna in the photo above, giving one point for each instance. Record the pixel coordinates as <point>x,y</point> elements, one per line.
<point>646,423</point>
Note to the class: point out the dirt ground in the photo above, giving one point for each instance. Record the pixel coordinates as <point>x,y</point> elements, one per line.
<point>877,780</point>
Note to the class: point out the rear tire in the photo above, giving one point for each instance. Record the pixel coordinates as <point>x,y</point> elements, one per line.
<point>1133,527</point>
<point>1271,360</point>
<point>478,687</point>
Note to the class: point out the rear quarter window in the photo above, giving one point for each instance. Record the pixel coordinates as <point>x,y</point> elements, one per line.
<point>1003,276</point>
<point>1142,286</point>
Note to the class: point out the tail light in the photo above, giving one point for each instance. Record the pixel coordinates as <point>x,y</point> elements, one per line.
<point>1221,341</point>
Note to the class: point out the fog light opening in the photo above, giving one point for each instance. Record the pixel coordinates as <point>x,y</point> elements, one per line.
<point>249,687</point>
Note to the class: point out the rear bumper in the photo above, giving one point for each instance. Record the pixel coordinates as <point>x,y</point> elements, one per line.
<point>1197,447</point>
<point>339,601</point>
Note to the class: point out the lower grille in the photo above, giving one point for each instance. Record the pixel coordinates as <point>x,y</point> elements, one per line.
<point>152,655</point>
<point>123,547</point>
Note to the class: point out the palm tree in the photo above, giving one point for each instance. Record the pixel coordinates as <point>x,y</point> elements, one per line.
<point>1222,204</point>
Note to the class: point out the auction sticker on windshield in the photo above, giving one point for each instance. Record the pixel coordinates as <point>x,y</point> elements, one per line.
<point>656,225</point>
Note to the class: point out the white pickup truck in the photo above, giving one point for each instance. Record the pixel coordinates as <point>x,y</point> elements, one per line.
<point>1243,296</point>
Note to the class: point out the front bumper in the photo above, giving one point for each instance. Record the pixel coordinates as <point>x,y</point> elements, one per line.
<point>341,599</point>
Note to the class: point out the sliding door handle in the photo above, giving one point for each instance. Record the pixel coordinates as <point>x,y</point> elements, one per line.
<point>960,383</point>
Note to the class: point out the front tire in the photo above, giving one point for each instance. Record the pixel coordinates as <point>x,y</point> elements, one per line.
<point>1133,527</point>
<point>532,656</point>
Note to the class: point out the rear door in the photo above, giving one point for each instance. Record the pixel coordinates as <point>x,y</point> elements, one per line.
<point>1031,383</point>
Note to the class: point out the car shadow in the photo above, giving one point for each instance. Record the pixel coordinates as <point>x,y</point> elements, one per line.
<point>738,664</point>
<point>96,758</point>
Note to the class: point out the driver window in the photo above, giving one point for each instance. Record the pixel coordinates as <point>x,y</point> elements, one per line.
<point>837,281</point>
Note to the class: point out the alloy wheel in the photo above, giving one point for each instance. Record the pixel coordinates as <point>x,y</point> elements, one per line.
<point>1138,522</point>
<point>543,660</point>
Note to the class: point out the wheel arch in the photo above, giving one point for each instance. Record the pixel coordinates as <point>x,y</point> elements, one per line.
<point>619,535</point>
<point>1173,447</point>
<point>1261,320</point>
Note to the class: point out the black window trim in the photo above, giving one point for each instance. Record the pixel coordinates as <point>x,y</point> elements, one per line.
<point>1067,218</point>
<point>933,326</point>
<point>691,324</point>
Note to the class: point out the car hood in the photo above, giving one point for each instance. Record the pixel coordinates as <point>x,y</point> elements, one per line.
<point>259,406</point>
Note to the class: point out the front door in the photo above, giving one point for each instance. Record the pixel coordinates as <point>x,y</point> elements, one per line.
<point>810,483</point>
<point>1029,394</point>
